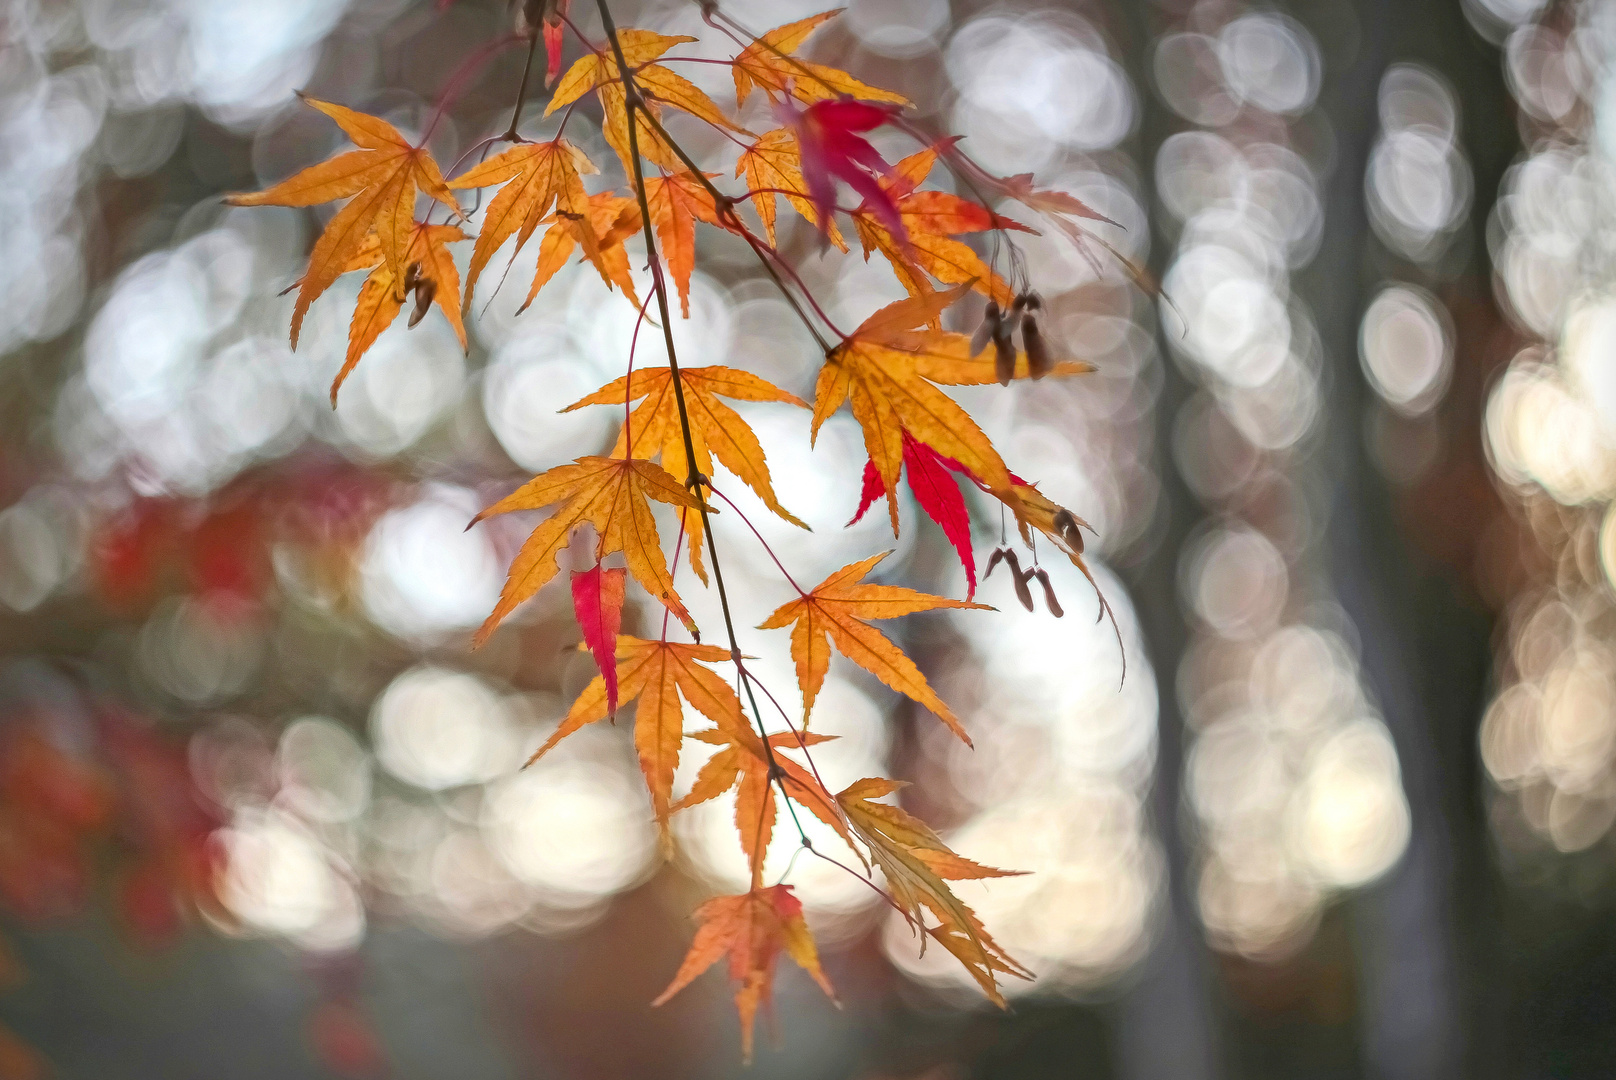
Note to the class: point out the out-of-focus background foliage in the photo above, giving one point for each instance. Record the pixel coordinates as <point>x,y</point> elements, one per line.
<point>1350,814</point>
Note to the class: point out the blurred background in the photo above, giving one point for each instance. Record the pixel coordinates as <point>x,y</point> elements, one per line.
<point>1349,815</point>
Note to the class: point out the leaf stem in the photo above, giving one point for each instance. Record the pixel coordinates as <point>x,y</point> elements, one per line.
<point>757,534</point>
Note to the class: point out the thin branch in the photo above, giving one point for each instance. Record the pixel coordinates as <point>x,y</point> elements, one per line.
<point>521,91</point>
<point>451,88</point>
<point>634,103</point>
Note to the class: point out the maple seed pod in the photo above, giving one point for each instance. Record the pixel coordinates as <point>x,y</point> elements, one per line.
<point>988,331</point>
<point>1049,592</point>
<point>1066,525</point>
<point>998,557</point>
<point>425,290</point>
<point>1023,593</point>
<point>1004,354</point>
<point>1038,362</point>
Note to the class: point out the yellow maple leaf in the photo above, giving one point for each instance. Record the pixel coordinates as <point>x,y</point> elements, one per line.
<point>768,63</point>
<point>677,202</point>
<point>835,610</point>
<point>536,176</point>
<point>611,220</point>
<point>879,367</point>
<point>609,493</point>
<point>381,176</point>
<point>715,429</point>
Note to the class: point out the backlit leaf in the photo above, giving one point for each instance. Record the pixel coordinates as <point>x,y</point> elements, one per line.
<point>609,493</point>
<point>656,673</point>
<point>537,177</point>
<point>768,63</point>
<point>382,178</point>
<point>835,612</point>
<point>753,929</point>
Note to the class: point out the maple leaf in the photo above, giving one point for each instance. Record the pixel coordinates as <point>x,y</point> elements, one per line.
<point>743,763</point>
<point>657,84</point>
<point>879,367</point>
<point>677,202</point>
<point>947,361</point>
<point>539,175</point>
<point>768,63</point>
<point>830,148</point>
<point>835,610</point>
<point>657,672</point>
<point>429,273</point>
<point>609,493</point>
<point>916,863</point>
<point>930,220</point>
<point>611,220</point>
<point>381,176</point>
<point>548,16</point>
<point>753,928</point>
<point>715,429</point>
<point>775,163</point>
<point>597,602</point>
<point>936,492</point>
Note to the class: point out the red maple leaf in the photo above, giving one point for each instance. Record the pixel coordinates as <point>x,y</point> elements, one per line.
<point>937,493</point>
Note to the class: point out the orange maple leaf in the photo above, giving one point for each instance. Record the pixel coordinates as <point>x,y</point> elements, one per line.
<point>382,176</point>
<point>773,164</point>
<point>768,63</point>
<point>715,429</point>
<point>880,368</point>
<point>611,220</point>
<point>916,863</point>
<point>835,612</point>
<point>657,84</point>
<point>656,672</point>
<point>753,928</point>
<point>429,273</point>
<point>677,202</point>
<point>742,763</point>
<point>540,175</point>
<point>609,493</point>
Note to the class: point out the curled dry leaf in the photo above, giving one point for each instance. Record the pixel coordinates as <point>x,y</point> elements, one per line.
<point>916,864</point>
